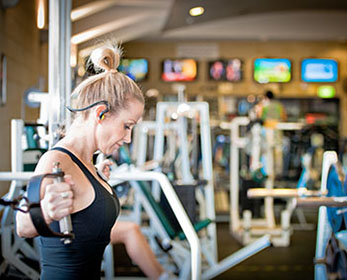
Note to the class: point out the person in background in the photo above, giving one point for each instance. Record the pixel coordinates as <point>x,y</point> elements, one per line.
<point>271,112</point>
<point>272,109</point>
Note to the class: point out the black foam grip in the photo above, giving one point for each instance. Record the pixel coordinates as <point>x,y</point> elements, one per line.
<point>35,211</point>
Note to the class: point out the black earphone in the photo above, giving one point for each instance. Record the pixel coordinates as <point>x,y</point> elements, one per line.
<point>102,114</point>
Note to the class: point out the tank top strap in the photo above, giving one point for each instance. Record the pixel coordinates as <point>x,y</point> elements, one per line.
<point>84,169</point>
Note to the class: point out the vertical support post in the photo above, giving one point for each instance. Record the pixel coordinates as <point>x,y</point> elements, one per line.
<point>159,143</point>
<point>59,80</point>
<point>285,225</point>
<point>234,178</point>
<point>206,150</point>
<point>141,143</point>
<point>187,177</point>
<point>236,143</point>
<point>269,183</point>
<point>247,224</point>
<point>17,128</point>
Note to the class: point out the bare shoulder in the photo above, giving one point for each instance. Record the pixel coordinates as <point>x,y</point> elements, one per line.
<point>48,160</point>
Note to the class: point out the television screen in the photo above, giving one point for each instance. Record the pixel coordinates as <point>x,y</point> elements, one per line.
<point>225,70</point>
<point>319,70</point>
<point>136,69</point>
<point>272,70</point>
<point>179,70</point>
<point>216,70</point>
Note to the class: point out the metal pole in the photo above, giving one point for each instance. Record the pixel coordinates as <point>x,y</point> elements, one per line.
<point>206,147</point>
<point>187,177</point>
<point>59,80</point>
<point>236,143</point>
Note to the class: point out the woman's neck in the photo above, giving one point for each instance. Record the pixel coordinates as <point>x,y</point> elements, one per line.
<point>80,140</point>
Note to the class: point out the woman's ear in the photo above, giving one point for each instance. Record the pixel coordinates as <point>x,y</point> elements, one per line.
<point>100,112</point>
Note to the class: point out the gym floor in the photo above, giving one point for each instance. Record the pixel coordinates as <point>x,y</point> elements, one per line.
<point>277,263</point>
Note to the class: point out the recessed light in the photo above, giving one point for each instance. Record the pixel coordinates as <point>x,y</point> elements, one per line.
<point>196,11</point>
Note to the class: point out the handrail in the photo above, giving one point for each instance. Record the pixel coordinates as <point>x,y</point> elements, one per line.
<point>178,210</point>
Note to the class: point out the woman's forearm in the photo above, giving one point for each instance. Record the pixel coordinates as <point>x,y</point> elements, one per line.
<point>24,226</point>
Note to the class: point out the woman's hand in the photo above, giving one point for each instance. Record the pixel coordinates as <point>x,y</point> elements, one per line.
<point>57,201</point>
<point>104,167</point>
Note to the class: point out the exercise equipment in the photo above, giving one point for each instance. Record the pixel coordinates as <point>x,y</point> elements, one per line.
<point>330,256</point>
<point>34,188</point>
<point>205,198</point>
<point>246,229</point>
<point>15,252</point>
<point>175,242</point>
<point>335,188</point>
<point>166,127</point>
<point>165,186</point>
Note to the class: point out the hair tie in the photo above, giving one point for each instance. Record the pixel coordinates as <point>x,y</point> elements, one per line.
<point>113,71</point>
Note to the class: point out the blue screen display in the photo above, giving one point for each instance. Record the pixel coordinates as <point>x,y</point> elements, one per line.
<point>136,69</point>
<point>319,70</point>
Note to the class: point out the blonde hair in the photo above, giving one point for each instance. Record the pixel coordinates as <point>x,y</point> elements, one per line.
<point>109,85</point>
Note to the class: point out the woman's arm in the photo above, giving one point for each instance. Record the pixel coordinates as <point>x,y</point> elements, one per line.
<point>56,198</point>
<point>104,168</point>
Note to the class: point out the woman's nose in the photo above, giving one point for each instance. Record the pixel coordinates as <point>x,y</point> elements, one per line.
<point>127,137</point>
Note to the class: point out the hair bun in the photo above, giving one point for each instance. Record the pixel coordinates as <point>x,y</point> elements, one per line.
<point>106,58</point>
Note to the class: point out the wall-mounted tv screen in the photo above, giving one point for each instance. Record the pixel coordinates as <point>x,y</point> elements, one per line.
<point>135,68</point>
<point>179,70</point>
<point>319,70</point>
<point>225,70</point>
<point>272,70</point>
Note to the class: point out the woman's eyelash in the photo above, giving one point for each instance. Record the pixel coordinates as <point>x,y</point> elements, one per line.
<point>127,126</point>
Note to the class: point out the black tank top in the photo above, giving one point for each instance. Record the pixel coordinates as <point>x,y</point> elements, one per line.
<point>92,227</point>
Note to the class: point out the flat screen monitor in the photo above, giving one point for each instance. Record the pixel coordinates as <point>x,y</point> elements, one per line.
<point>225,70</point>
<point>179,70</point>
<point>135,68</point>
<point>319,70</point>
<point>272,70</point>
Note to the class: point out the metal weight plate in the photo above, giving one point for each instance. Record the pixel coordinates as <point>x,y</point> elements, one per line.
<point>335,188</point>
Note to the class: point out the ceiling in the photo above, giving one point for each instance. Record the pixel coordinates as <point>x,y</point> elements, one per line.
<point>129,20</point>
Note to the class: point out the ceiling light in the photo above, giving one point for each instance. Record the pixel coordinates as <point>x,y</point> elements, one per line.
<point>196,11</point>
<point>41,14</point>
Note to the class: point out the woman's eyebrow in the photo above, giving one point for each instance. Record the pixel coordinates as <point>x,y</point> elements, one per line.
<point>134,121</point>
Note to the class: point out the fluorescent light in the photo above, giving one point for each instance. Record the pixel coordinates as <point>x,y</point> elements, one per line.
<point>73,55</point>
<point>196,11</point>
<point>90,9</point>
<point>41,14</point>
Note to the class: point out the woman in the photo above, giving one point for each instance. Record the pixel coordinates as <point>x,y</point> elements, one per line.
<point>108,106</point>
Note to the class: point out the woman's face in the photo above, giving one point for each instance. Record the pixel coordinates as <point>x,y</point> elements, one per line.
<point>115,129</point>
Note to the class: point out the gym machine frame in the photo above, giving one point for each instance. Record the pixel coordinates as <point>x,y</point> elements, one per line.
<point>305,198</point>
<point>162,129</point>
<point>246,229</point>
